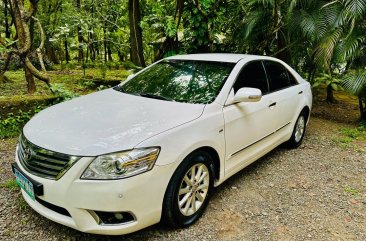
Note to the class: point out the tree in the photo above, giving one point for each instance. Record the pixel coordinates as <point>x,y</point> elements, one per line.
<point>201,23</point>
<point>355,83</point>
<point>137,54</point>
<point>24,28</point>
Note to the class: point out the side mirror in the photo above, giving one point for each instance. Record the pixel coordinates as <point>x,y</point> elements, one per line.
<point>130,77</point>
<point>247,95</point>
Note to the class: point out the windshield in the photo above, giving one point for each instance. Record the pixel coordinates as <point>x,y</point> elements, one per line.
<point>180,80</point>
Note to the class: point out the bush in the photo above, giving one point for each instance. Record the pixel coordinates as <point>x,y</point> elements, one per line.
<point>130,66</point>
<point>63,93</point>
<point>12,125</point>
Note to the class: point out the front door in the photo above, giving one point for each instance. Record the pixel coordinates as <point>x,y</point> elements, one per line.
<point>246,124</point>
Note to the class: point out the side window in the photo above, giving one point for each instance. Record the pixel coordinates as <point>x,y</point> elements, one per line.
<point>292,78</point>
<point>278,76</point>
<point>252,75</point>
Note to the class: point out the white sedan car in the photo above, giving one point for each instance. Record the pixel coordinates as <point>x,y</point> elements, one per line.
<point>152,148</point>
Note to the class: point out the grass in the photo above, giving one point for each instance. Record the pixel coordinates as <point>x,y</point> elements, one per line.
<point>22,205</point>
<point>17,107</point>
<point>11,184</point>
<point>351,191</point>
<point>347,136</point>
<point>72,79</point>
<point>358,133</point>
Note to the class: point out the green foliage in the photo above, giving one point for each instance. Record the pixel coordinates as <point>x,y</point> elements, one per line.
<point>355,82</point>
<point>129,65</point>
<point>355,133</point>
<point>11,125</point>
<point>87,83</point>
<point>16,64</point>
<point>314,37</point>
<point>203,23</point>
<point>62,92</point>
<point>11,184</point>
<point>352,191</point>
<point>22,205</point>
<point>327,79</point>
<point>103,70</point>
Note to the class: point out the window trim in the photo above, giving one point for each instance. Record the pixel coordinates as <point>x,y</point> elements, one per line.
<point>269,79</point>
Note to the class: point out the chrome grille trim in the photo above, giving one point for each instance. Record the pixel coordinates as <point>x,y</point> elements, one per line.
<point>43,163</point>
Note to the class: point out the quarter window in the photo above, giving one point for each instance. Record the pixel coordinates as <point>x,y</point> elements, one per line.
<point>252,75</point>
<point>278,76</point>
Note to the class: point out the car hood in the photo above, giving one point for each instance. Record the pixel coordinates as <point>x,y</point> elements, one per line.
<point>104,122</point>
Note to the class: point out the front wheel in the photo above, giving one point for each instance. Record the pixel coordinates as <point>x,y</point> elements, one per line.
<point>298,132</point>
<point>189,190</point>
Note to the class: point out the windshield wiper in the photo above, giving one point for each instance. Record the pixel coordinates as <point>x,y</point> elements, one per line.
<point>143,94</point>
<point>154,96</point>
<point>119,88</point>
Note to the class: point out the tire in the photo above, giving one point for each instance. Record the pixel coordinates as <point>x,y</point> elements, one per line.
<point>187,191</point>
<point>298,132</point>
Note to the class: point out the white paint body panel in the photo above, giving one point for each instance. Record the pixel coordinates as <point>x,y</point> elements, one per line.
<point>110,121</point>
<point>105,122</point>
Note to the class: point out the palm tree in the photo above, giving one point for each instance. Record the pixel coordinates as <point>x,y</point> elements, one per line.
<point>355,83</point>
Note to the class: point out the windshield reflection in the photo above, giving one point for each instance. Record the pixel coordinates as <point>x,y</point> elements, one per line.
<point>180,80</point>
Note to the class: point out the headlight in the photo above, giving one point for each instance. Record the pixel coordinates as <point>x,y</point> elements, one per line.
<point>122,164</point>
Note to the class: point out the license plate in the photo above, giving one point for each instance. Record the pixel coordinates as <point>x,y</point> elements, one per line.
<point>24,184</point>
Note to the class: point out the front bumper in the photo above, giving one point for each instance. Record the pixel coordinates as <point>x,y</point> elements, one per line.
<point>141,195</point>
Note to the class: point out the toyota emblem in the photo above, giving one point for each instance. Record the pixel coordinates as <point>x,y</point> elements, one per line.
<point>28,154</point>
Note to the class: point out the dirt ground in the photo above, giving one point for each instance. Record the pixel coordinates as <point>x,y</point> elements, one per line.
<point>316,192</point>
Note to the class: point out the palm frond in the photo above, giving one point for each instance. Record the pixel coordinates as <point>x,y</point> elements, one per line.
<point>265,3</point>
<point>355,7</point>
<point>308,24</point>
<point>355,82</point>
<point>323,53</point>
<point>351,45</point>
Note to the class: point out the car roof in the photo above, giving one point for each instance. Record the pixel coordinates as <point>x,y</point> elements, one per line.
<point>219,57</point>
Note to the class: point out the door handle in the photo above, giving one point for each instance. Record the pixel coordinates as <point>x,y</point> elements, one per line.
<point>273,104</point>
<point>301,92</point>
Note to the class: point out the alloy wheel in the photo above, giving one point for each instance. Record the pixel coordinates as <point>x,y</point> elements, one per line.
<point>300,128</point>
<point>193,189</point>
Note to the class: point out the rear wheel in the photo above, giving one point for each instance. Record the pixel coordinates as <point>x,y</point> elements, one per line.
<point>298,132</point>
<point>189,190</point>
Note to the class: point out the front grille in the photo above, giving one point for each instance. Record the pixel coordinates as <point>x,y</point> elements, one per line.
<point>42,162</point>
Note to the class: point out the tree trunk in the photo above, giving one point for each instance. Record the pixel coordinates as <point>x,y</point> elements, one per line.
<point>80,36</point>
<point>7,25</point>
<point>362,105</point>
<point>91,46</point>
<point>120,55</point>
<point>31,85</point>
<point>330,95</point>
<point>283,52</point>
<point>105,43</point>
<point>110,58</point>
<point>3,78</point>
<point>80,47</point>
<point>137,54</point>
<point>91,36</point>
<point>67,55</point>
<point>24,22</point>
<point>51,52</point>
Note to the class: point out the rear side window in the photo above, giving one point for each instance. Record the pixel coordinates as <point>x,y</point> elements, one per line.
<point>278,76</point>
<point>252,75</point>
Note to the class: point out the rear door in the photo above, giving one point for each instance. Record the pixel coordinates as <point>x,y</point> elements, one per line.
<point>285,93</point>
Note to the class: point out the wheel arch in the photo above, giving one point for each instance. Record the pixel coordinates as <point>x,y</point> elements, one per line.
<point>306,110</point>
<point>215,157</point>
